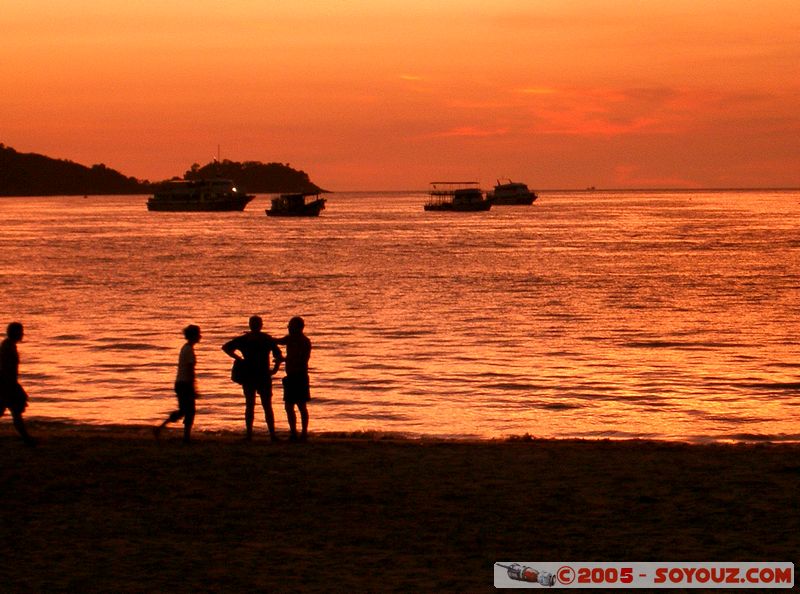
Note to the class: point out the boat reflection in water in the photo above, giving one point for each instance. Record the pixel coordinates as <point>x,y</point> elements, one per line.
<point>296,205</point>
<point>511,193</point>
<point>198,195</point>
<point>457,196</point>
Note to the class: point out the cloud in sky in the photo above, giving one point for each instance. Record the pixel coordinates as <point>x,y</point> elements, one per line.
<point>151,87</point>
<point>471,131</point>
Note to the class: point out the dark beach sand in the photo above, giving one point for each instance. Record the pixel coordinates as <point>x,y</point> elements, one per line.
<point>109,509</point>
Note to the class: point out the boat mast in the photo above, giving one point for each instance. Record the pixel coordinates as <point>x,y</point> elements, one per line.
<point>217,162</point>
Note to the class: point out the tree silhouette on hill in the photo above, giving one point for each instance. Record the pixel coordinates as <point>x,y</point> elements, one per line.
<point>253,176</point>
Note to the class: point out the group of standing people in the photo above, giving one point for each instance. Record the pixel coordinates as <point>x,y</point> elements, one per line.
<point>252,369</point>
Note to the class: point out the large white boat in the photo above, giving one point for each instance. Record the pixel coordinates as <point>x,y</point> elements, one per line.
<point>457,196</point>
<point>509,192</point>
<point>199,195</point>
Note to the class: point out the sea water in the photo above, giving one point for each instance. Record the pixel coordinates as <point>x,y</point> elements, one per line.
<point>670,315</point>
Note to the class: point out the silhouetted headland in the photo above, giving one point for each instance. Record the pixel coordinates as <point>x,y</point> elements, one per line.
<point>31,174</point>
<point>260,178</point>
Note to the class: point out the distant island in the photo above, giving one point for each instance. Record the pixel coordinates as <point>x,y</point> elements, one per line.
<point>30,174</point>
<point>258,178</point>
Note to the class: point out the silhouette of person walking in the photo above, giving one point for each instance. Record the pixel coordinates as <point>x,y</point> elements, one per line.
<point>296,390</point>
<point>254,348</point>
<point>185,385</point>
<point>12,395</point>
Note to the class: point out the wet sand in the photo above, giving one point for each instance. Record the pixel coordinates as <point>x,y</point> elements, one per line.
<point>111,509</point>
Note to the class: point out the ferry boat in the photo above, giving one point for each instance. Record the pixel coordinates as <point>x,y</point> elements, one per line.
<point>457,196</point>
<point>511,193</point>
<point>198,195</point>
<point>296,205</point>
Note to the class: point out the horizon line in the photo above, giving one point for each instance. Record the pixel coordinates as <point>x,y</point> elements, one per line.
<point>611,189</point>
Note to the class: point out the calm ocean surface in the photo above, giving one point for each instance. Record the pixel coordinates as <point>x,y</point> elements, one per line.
<point>672,315</point>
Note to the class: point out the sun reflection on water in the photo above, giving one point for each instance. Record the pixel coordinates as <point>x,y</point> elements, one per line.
<point>668,315</point>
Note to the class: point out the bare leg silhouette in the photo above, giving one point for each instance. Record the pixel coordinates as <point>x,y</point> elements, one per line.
<point>249,410</point>
<point>19,425</point>
<point>292,418</point>
<point>269,416</point>
<point>303,419</point>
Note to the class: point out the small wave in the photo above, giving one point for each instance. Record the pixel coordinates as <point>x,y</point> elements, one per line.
<point>383,366</point>
<point>375,403</point>
<point>492,374</point>
<point>560,355</point>
<point>130,367</point>
<point>519,387</point>
<point>591,396</point>
<point>672,344</point>
<point>560,406</point>
<point>69,337</point>
<point>129,346</point>
<point>370,387</point>
<point>772,386</point>
<point>37,376</point>
<point>417,392</point>
<point>332,401</point>
<point>103,399</point>
<point>53,399</point>
<point>557,315</point>
<point>763,437</point>
<point>646,401</point>
<point>635,306</point>
<point>420,356</point>
<point>108,380</point>
<point>619,435</point>
<point>372,416</point>
<point>785,365</point>
<point>402,333</point>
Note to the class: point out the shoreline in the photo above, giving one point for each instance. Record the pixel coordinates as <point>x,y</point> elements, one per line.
<point>145,430</point>
<point>110,509</point>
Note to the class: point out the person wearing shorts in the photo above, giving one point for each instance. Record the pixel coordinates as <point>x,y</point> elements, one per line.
<point>296,388</point>
<point>185,385</point>
<point>254,348</point>
<point>12,395</point>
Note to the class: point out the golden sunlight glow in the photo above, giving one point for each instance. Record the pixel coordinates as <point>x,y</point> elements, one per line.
<point>391,94</point>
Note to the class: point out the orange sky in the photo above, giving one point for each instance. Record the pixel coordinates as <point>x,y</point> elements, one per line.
<point>390,94</point>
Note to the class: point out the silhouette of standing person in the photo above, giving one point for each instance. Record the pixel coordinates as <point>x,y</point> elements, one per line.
<point>254,348</point>
<point>185,385</point>
<point>12,395</point>
<point>296,390</point>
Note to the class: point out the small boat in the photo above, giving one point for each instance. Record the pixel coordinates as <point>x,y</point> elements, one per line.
<point>457,196</point>
<point>296,205</point>
<point>198,195</point>
<point>511,193</point>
